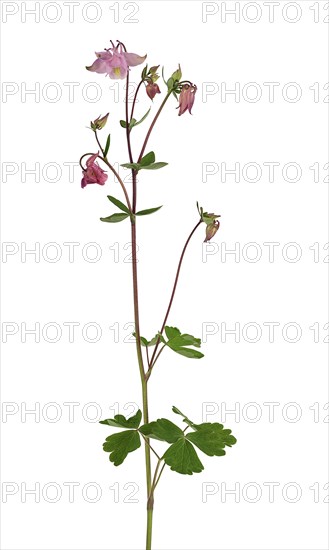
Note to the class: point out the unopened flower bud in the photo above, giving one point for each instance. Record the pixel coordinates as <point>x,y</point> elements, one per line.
<point>177,75</point>
<point>211,230</point>
<point>152,89</point>
<point>99,122</point>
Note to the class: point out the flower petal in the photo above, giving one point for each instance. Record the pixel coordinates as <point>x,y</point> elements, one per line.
<point>99,66</point>
<point>133,59</point>
<point>92,159</point>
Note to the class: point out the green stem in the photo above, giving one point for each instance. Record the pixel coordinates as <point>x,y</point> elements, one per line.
<point>149,528</point>
<point>144,387</point>
<point>150,488</point>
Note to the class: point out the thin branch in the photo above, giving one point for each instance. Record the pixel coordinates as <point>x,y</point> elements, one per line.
<point>147,441</point>
<point>147,356</point>
<point>127,120</point>
<point>119,180</point>
<point>135,97</point>
<point>99,144</point>
<point>152,126</point>
<point>173,290</point>
<point>157,481</point>
<point>148,374</point>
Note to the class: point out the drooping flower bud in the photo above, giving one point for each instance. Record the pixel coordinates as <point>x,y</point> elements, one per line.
<point>99,122</point>
<point>152,89</point>
<point>210,219</point>
<point>211,230</point>
<point>186,98</point>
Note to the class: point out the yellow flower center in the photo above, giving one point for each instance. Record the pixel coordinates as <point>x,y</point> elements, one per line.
<point>116,71</point>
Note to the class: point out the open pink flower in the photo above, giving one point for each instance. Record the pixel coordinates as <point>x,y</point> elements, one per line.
<point>93,173</point>
<point>115,62</point>
<point>186,98</point>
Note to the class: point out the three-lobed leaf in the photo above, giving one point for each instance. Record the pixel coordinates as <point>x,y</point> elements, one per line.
<point>182,458</point>
<point>162,429</point>
<point>181,455</point>
<point>211,438</point>
<point>180,343</point>
<point>120,444</point>
<point>120,421</point>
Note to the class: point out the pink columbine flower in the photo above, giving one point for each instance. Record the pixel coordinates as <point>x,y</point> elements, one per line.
<point>186,98</point>
<point>115,62</point>
<point>93,173</point>
<point>152,89</point>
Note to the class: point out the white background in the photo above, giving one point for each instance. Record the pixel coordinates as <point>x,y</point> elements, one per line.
<point>44,132</point>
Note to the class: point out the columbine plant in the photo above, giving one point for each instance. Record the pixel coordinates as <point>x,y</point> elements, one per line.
<point>210,438</point>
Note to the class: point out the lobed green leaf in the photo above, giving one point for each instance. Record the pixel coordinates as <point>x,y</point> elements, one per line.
<point>120,444</point>
<point>182,458</point>
<point>120,421</point>
<point>162,429</point>
<point>211,438</point>
<point>179,343</point>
